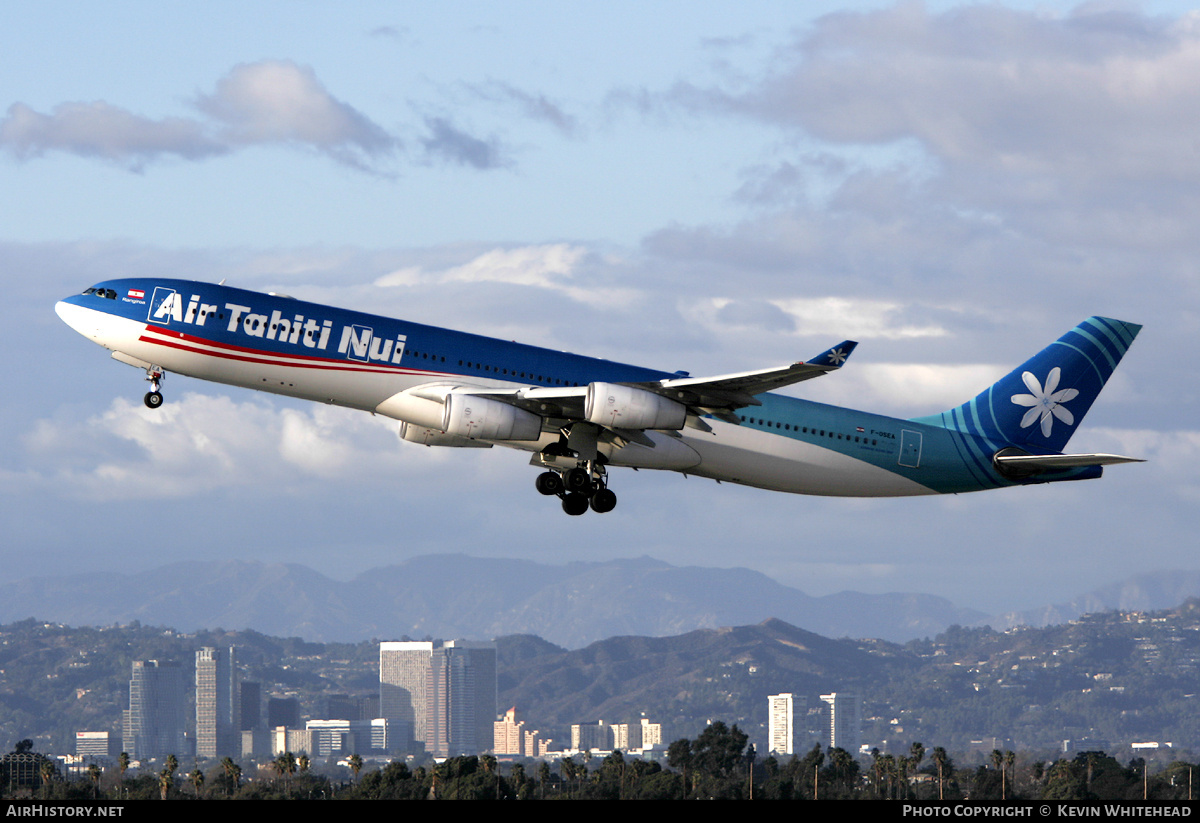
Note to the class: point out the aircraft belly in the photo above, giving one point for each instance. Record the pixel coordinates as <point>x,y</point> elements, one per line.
<point>742,455</point>
<point>668,452</point>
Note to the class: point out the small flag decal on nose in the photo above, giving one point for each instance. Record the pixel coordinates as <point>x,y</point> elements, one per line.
<point>137,294</point>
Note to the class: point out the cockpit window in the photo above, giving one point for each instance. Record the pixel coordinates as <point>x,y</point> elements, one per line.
<point>109,294</point>
<point>89,291</point>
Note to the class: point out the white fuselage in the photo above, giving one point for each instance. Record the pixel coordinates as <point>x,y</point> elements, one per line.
<point>732,453</point>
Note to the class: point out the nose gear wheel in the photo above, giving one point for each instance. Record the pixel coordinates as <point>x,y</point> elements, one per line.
<point>154,398</point>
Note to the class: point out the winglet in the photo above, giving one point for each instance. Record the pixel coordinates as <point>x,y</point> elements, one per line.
<point>835,357</point>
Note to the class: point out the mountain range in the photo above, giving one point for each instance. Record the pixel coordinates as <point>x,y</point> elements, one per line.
<point>571,605</point>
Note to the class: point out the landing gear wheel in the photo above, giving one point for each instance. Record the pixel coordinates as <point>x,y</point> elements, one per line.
<point>153,399</point>
<point>549,483</point>
<point>574,504</point>
<point>579,480</point>
<point>603,501</point>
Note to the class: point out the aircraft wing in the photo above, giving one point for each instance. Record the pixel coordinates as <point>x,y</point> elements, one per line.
<point>732,391</point>
<point>718,396</point>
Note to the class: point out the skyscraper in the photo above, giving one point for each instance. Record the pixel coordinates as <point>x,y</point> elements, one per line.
<point>440,694</point>
<point>154,724</point>
<point>250,705</point>
<point>402,673</point>
<point>845,721</point>
<point>460,698</point>
<point>216,702</point>
<point>781,734</point>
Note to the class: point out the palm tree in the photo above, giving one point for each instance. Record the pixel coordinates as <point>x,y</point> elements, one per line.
<point>197,778</point>
<point>94,772</point>
<point>233,772</point>
<point>568,768</point>
<point>997,758</point>
<point>940,759</point>
<point>356,764</point>
<point>285,766</point>
<point>1010,759</point>
<point>916,753</point>
<point>165,780</point>
<point>123,764</point>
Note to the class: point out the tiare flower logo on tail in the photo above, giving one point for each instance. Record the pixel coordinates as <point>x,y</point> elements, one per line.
<point>1045,403</point>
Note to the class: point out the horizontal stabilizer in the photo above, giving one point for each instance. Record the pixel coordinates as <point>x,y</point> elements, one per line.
<point>1019,465</point>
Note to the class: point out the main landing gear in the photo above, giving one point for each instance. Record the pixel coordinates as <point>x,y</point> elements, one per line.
<point>580,488</point>
<point>154,398</point>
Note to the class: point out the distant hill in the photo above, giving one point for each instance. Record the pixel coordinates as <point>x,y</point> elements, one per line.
<point>1143,593</point>
<point>455,595</point>
<point>726,672</point>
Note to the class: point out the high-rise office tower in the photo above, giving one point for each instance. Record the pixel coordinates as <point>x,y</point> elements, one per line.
<point>441,694</point>
<point>250,705</point>
<point>402,673</point>
<point>845,721</point>
<point>781,712</point>
<point>154,724</point>
<point>460,698</point>
<point>216,702</point>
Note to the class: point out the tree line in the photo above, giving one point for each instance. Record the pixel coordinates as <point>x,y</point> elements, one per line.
<point>718,764</point>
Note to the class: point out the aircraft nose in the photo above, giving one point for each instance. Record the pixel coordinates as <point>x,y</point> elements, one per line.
<point>81,319</point>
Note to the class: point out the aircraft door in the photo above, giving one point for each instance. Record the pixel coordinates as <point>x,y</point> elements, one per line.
<point>910,449</point>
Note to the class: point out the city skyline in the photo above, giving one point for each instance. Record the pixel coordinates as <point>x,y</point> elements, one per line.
<point>1040,665</point>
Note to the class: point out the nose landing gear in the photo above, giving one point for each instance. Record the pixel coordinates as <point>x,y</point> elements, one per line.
<point>154,398</point>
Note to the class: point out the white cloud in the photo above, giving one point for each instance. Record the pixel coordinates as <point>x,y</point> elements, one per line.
<point>277,101</point>
<point>98,129</point>
<point>199,443</point>
<point>847,317</point>
<point>1016,107</point>
<point>1171,456</point>
<point>854,318</point>
<point>270,102</point>
<point>550,268</point>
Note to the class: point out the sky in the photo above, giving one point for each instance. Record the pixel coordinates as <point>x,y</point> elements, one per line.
<point>710,187</point>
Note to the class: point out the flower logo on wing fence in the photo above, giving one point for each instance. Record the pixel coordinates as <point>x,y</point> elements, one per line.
<point>1045,403</point>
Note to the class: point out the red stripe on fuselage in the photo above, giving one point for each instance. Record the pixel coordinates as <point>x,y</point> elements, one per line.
<point>189,343</point>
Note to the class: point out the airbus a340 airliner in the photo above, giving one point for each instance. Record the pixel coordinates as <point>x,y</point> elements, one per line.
<point>580,415</point>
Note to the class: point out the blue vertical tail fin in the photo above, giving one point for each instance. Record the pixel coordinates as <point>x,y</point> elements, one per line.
<point>1039,404</point>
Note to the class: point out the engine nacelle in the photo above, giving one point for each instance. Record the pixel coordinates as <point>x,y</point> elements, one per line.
<point>436,437</point>
<point>624,407</point>
<point>409,408</point>
<point>485,419</point>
